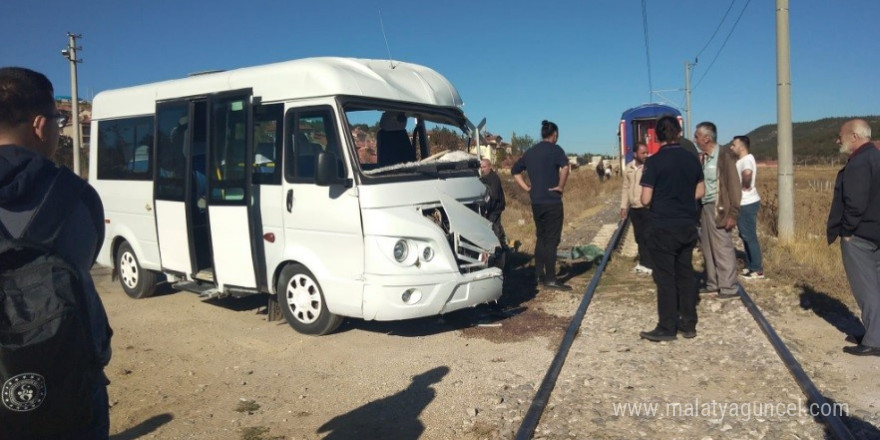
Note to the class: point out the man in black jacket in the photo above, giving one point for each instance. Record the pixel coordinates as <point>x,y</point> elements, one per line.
<point>30,126</point>
<point>495,202</point>
<point>855,218</point>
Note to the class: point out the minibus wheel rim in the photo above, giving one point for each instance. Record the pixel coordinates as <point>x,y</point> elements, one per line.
<point>304,298</point>
<point>128,270</point>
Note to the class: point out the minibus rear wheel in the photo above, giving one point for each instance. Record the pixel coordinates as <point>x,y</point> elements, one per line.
<point>136,282</point>
<point>302,302</point>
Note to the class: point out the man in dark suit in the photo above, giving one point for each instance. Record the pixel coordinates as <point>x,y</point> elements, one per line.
<point>855,218</point>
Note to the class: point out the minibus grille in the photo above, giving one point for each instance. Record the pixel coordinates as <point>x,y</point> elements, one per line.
<point>470,257</point>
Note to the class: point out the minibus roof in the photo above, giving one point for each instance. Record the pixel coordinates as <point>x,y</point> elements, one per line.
<point>291,80</point>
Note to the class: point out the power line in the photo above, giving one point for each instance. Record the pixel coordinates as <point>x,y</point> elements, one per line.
<point>722,44</point>
<point>716,29</point>
<point>647,50</point>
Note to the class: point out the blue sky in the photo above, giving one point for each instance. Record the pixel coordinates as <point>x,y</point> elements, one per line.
<point>578,63</point>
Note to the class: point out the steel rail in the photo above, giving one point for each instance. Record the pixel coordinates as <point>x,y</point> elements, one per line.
<point>539,402</point>
<point>836,427</point>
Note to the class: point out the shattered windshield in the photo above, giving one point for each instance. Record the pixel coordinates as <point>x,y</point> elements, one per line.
<point>392,141</point>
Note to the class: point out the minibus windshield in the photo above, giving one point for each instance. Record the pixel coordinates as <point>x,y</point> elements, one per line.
<point>392,141</point>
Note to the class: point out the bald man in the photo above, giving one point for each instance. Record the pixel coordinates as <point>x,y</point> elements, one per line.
<point>495,202</point>
<point>855,218</point>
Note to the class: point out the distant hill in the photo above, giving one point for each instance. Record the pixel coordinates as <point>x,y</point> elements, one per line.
<point>814,141</point>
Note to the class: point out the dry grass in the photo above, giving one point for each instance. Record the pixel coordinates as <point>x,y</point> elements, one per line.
<point>580,197</point>
<point>807,260</point>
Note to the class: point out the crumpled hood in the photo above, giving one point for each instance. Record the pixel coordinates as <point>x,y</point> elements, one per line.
<point>20,171</point>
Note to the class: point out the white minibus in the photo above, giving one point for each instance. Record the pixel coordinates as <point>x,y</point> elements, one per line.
<point>339,185</point>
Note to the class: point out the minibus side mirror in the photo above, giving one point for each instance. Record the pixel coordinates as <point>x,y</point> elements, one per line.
<point>327,170</point>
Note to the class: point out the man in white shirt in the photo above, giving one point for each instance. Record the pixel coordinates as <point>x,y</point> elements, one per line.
<point>747,223</point>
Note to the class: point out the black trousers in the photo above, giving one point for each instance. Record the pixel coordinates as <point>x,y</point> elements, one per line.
<point>641,223</point>
<point>497,228</point>
<point>548,228</point>
<point>672,250</point>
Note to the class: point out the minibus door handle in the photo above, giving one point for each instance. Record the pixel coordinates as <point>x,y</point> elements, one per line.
<point>290,200</point>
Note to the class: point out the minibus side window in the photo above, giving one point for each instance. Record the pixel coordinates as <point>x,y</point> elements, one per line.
<point>309,133</point>
<point>124,149</point>
<point>268,139</point>
<point>172,133</point>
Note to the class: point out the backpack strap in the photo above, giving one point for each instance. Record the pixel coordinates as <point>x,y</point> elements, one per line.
<point>57,206</point>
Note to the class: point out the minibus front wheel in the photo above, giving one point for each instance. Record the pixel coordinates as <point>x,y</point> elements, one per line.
<point>136,282</point>
<point>302,302</point>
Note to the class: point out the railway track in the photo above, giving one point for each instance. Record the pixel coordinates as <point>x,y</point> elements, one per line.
<point>834,425</point>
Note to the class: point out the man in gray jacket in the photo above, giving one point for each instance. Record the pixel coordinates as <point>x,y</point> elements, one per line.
<point>719,212</point>
<point>30,127</point>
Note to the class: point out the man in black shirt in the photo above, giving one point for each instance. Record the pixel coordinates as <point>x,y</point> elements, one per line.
<point>671,182</point>
<point>547,166</point>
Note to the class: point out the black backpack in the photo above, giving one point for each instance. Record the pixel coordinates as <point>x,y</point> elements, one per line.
<point>49,369</point>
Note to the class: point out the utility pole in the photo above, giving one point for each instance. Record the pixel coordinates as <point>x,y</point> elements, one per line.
<point>687,93</point>
<point>70,54</point>
<point>783,124</point>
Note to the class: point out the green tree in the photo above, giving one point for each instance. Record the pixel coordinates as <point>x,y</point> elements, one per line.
<point>500,155</point>
<point>444,139</point>
<point>519,144</point>
<point>64,153</point>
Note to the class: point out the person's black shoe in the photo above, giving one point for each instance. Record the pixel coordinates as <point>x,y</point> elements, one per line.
<point>556,285</point>
<point>658,335</point>
<point>687,334</point>
<point>862,350</point>
<point>705,290</point>
<point>722,295</point>
<point>852,339</point>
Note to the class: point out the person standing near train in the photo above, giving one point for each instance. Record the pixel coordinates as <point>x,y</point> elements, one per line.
<point>630,201</point>
<point>719,211</point>
<point>671,182</point>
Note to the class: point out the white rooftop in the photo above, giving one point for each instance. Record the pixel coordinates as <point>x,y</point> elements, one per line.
<point>297,79</point>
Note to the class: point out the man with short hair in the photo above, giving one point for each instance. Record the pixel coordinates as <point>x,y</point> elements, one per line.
<point>30,127</point>
<point>671,182</point>
<point>855,218</point>
<point>747,222</point>
<point>495,201</point>
<point>630,201</point>
<point>719,211</point>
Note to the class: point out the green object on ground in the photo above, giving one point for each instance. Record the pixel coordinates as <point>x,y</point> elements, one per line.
<point>588,252</point>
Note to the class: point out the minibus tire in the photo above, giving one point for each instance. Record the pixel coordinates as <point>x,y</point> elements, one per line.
<point>136,281</point>
<point>313,318</point>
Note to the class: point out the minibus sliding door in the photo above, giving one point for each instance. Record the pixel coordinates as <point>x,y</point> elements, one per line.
<point>230,168</point>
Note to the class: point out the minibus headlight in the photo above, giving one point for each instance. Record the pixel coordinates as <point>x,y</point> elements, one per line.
<point>401,251</point>
<point>428,253</point>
